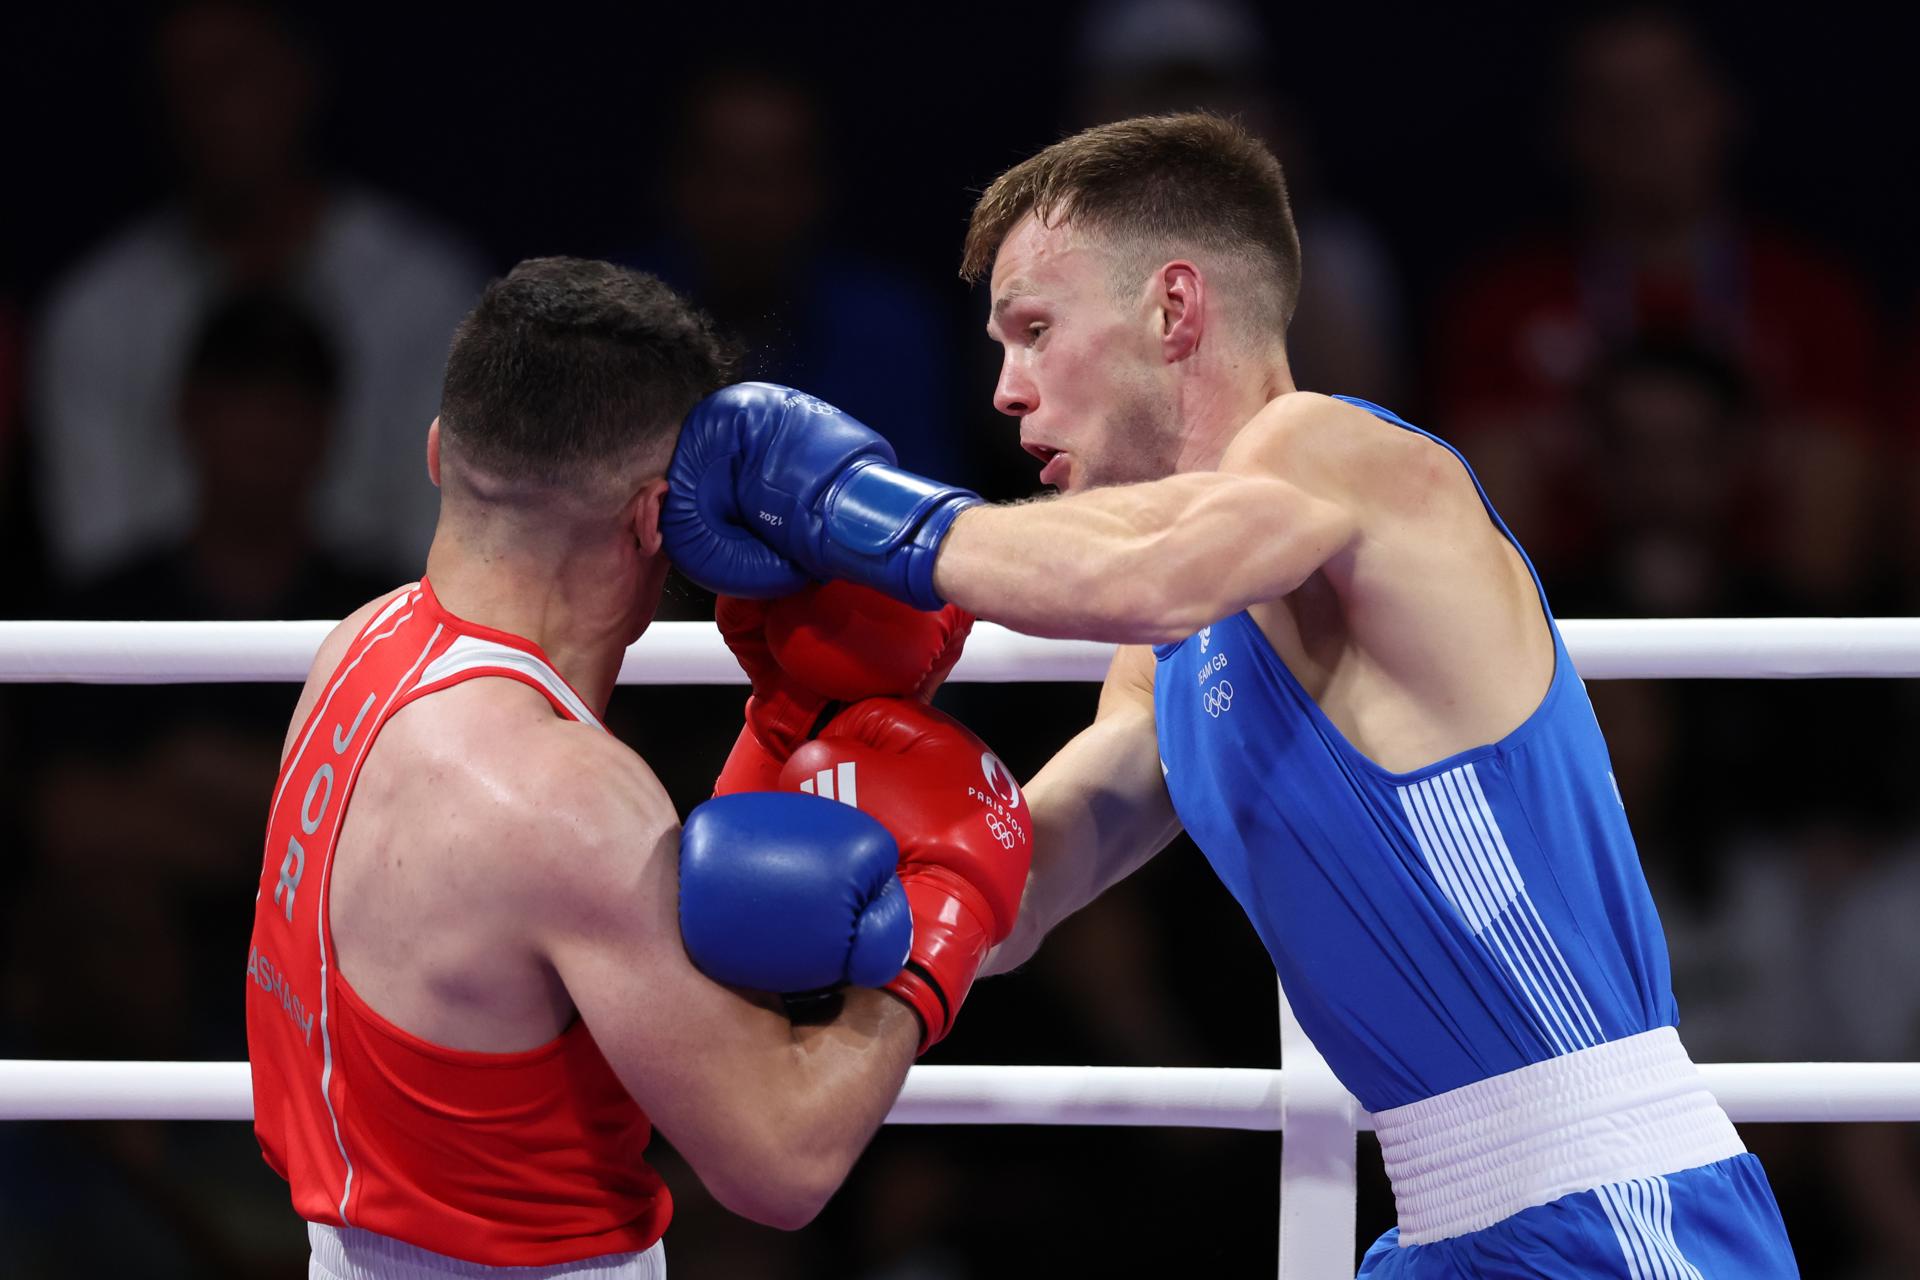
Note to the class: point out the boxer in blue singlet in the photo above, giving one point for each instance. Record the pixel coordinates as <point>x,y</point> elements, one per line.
<point>1338,672</point>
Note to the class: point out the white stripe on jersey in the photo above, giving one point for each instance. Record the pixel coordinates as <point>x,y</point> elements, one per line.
<point>1470,861</point>
<point>468,652</point>
<point>408,595</point>
<point>320,713</point>
<point>326,881</point>
<point>1641,1213</point>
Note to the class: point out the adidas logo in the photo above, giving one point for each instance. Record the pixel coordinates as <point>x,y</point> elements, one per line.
<point>836,783</point>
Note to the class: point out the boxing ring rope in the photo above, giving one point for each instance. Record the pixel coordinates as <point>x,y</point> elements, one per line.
<point>691,652</point>
<point>1300,1099</point>
<point>1142,1097</point>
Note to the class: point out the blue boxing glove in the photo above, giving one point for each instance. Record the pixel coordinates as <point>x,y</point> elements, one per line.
<point>791,893</point>
<point>770,488</point>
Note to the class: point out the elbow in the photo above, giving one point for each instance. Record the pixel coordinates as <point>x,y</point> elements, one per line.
<point>1235,549</point>
<point>1128,601</point>
<point>1165,603</point>
<point>1174,622</point>
<point>788,1212</point>
<point>1171,596</point>
<point>785,1193</point>
<point>1169,586</point>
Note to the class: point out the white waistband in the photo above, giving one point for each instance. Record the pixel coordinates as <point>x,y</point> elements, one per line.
<point>352,1254</point>
<point>1632,1108</point>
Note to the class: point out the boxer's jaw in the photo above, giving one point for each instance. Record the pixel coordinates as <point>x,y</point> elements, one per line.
<point>1080,368</point>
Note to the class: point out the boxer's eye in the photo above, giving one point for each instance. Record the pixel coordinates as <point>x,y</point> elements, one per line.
<point>1034,332</point>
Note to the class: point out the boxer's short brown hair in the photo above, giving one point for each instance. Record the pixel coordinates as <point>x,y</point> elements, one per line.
<point>570,368</point>
<point>1172,184</point>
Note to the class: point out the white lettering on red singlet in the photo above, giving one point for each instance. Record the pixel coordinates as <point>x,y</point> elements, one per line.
<point>272,979</point>
<point>320,785</point>
<point>292,867</point>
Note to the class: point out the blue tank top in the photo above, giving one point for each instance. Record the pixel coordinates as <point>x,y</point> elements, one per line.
<point>1430,928</point>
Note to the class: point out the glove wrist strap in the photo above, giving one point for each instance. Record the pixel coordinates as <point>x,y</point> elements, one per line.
<point>917,989</point>
<point>883,527</point>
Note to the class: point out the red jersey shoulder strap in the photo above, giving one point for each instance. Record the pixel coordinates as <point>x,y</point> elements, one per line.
<point>409,594</point>
<point>386,622</point>
<point>470,656</point>
<point>472,650</point>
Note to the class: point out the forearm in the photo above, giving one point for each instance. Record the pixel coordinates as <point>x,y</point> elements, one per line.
<point>1077,872</point>
<point>1055,890</point>
<point>1100,810</point>
<point>769,1115</point>
<point>1063,877</point>
<point>850,1070</point>
<point>1135,564</point>
<point>1083,567</point>
<point>837,1082</point>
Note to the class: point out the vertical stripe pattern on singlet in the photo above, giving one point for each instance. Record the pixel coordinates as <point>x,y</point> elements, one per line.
<point>1469,860</point>
<point>1641,1212</point>
<point>326,879</point>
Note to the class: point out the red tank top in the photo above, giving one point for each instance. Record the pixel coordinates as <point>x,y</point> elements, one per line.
<point>507,1159</point>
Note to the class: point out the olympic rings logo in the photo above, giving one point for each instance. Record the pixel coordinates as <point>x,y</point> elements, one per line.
<point>1218,699</point>
<point>811,404</point>
<point>1003,832</point>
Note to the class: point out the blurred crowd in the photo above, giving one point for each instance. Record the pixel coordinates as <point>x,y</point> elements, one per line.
<point>1684,402</point>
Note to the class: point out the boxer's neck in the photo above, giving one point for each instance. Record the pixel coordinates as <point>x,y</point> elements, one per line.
<point>1215,408</point>
<point>582,600</point>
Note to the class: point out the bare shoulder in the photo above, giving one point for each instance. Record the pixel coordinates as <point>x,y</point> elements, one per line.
<point>331,650</point>
<point>1337,449</point>
<point>1289,430</point>
<point>572,815</point>
<point>483,827</point>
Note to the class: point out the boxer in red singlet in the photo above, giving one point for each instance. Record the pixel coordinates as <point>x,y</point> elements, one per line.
<point>468,996</point>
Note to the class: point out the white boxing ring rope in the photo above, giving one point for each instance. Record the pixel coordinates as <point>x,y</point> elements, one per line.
<point>1301,1099</point>
<point>1182,1097</point>
<point>691,652</point>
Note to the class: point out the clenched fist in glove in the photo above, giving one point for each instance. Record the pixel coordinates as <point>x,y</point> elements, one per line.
<point>961,823</point>
<point>830,643</point>
<point>770,487</point>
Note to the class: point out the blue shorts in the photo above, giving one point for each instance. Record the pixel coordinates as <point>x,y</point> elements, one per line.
<point>1717,1222</point>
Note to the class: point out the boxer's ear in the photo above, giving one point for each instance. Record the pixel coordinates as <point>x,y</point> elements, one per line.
<point>646,515</point>
<point>1180,295</point>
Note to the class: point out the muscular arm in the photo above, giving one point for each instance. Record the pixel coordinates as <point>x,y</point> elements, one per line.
<point>1143,563</point>
<point>770,1116</point>
<point>1100,810</point>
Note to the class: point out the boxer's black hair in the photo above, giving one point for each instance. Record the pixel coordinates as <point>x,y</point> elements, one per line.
<point>1174,184</point>
<point>569,369</point>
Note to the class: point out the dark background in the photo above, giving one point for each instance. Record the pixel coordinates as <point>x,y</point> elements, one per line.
<point>546,136</point>
<point>548,129</point>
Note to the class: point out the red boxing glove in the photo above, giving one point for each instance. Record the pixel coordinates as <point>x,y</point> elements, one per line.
<point>963,829</point>
<point>780,714</point>
<point>833,642</point>
<point>850,642</point>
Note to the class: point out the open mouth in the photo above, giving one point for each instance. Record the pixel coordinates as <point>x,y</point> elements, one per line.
<point>1054,463</point>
